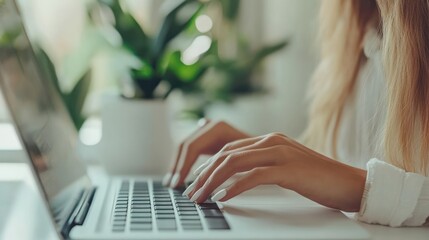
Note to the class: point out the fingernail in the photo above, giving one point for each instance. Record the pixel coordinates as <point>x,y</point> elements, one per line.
<point>166,179</point>
<point>197,195</point>
<point>201,122</point>
<point>200,168</point>
<point>189,189</point>
<point>219,195</point>
<point>175,180</point>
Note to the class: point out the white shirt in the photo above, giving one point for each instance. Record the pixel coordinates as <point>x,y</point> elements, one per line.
<point>392,196</point>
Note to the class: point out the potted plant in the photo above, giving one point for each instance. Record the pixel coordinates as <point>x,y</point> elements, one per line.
<point>233,88</point>
<point>135,124</point>
<point>73,100</point>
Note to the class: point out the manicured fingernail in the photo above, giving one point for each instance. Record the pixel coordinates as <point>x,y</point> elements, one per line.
<point>189,189</point>
<point>219,195</point>
<point>166,179</point>
<point>175,180</point>
<point>196,195</point>
<point>201,122</point>
<point>200,168</point>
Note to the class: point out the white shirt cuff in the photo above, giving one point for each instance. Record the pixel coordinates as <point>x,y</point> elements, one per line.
<point>390,196</point>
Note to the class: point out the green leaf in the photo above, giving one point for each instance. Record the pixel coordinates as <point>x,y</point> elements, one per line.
<point>171,27</point>
<point>187,73</point>
<point>266,51</point>
<point>230,9</point>
<point>145,71</point>
<point>146,85</point>
<point>180,75</point>
<point>133,36</point>
<point>75,100</point>
<point>7,38</point>
<point>48,66</point>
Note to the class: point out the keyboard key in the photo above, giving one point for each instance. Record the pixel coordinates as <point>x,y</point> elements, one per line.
<point>119,214</point>
<point>120,211</point>
<point>166,224</point>
<point>142,203</point>
<point>190,222</point>
<point>162,204</point>
<point>141,210</point>
<point>118,224</point>
<point>165,216</point>
<point>164,211</point>
<point>141,220</point>
<point>183,201</point>
<point>181,197</point>
<point>121,207</point>
<point>189,217</point>
<point>163,207</point>
<point>119,218</point>
<point>193,228</point>
<point>141,215</point>
<point>208,206</point>
<point>141,227</point>
<point>118,229</point>
<point>140,206</point>
<point>217,224</point>
<point>189,213</point>
<point>212,213</point>
<point>162,201</point>
<point>185,204</point>
<point>186,209</point>
<point>145,198</point>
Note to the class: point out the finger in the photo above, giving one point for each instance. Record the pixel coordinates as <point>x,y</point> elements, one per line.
<point>228,147</point>
<point>264,142</point>
<point>208,141</point>
<point>240,143</point>
<point>252,179</point>
<point>237,163</point>
<point>166,181</point>
<point>202,123</point>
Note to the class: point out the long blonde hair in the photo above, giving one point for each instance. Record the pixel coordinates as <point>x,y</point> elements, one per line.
<point>405,50</point>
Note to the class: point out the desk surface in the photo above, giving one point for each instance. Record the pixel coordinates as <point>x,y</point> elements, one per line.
<point>16,180</point>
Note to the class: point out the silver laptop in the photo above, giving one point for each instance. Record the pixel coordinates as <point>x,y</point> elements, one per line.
<point>130,207</point>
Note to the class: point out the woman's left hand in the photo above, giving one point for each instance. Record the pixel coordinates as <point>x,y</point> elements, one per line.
<point>277,159</point>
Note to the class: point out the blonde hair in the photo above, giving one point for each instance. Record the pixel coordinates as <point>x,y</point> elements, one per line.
<point>405,51</point>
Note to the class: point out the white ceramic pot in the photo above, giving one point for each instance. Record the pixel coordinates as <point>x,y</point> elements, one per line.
<point>135,136</point>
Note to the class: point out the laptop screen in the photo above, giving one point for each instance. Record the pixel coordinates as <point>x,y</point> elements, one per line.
<point>39,114</point>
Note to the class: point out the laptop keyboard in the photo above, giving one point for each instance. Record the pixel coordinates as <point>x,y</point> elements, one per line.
<point>140,208</point>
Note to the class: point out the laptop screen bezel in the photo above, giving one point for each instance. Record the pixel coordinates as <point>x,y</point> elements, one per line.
<point>83,182</point>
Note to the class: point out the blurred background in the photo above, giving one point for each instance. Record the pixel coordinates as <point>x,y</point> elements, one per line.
<point>133,63</point>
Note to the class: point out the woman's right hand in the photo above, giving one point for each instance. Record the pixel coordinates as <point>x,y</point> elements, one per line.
<point>208,139</point>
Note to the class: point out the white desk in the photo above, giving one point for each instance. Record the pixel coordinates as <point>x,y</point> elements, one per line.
<point>22,214</point>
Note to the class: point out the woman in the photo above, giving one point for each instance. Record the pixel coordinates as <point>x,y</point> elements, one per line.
<point>369,107</point>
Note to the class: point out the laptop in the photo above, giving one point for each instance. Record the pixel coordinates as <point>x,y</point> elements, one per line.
<point>125,207</point>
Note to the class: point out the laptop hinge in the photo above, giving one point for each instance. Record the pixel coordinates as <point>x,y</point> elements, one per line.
<point>78,215</point>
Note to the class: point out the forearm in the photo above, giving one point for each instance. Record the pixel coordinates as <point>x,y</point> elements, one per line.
<point>332,184</point>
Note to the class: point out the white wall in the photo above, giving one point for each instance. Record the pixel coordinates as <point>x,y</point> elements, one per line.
<point>286,73</point>
<point>289,72</point>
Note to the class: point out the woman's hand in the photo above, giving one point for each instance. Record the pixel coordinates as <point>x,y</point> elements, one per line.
<point>208,139</point>
<point>276,159</point>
